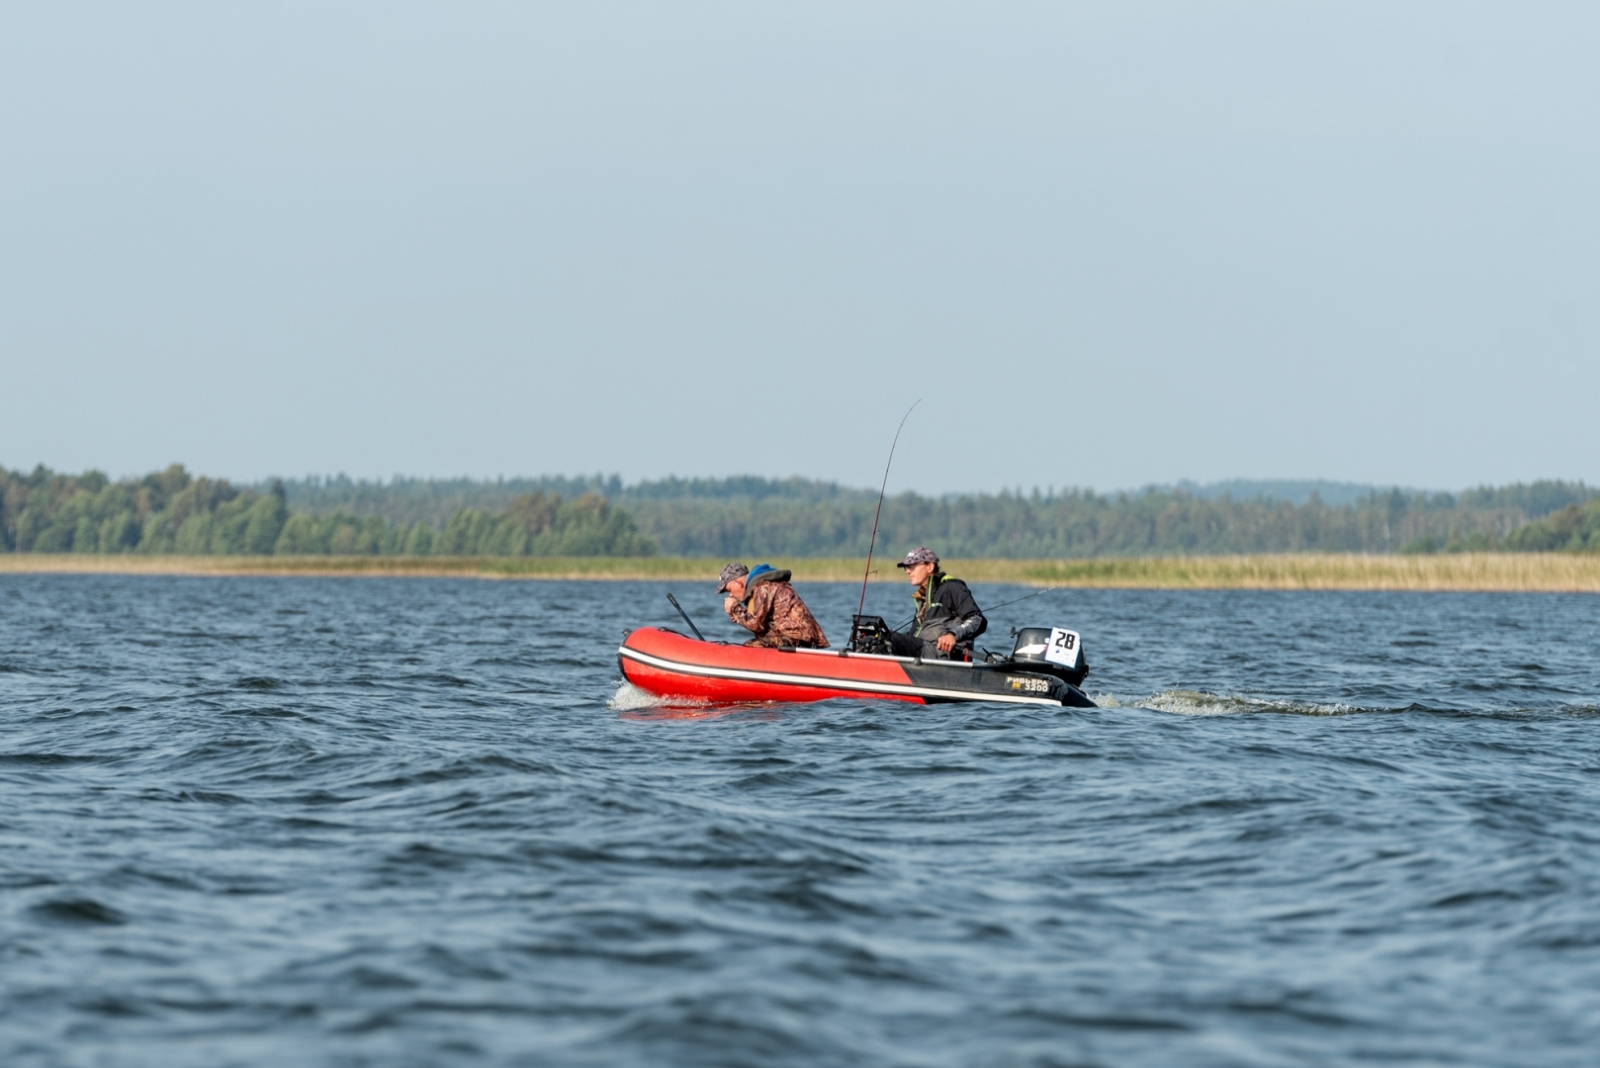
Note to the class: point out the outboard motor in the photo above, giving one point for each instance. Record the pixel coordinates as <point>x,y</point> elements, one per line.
<point>1051,649</point>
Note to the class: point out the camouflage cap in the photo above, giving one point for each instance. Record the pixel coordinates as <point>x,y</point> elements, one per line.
<point>731,572</point>
<point>920,555</point>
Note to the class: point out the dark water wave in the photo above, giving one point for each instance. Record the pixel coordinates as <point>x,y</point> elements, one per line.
<point>406,822</point>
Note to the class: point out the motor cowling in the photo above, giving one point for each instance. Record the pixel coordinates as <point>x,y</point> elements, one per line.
<point>1053,649</point>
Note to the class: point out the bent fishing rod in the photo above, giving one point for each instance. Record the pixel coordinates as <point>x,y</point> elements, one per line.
<point>875,516</point>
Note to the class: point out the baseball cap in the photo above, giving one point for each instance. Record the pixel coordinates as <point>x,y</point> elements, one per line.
<point>920,555</point>
<point>729,573</point>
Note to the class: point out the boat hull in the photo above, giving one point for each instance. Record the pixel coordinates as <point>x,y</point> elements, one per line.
<point>672,665</point>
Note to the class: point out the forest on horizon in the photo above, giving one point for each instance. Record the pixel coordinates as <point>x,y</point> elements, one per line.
<point>172,511</point>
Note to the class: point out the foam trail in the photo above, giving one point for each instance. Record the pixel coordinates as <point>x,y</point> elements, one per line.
<point>1199,703</point>
<point>629,698</point>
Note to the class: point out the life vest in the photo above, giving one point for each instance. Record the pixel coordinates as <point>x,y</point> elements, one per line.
<point>927,601</point>
<point>759,574</point>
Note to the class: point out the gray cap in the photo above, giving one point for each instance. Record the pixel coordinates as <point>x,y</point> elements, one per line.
<point>731,572</point>
<point>920,555</point>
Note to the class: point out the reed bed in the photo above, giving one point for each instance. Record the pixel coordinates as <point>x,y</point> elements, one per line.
<point>1511,572</point>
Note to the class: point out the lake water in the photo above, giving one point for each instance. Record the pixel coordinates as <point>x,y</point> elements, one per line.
<point>420,822</point>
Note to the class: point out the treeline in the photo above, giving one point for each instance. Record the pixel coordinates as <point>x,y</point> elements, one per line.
<point>1086,524</point>
<point>749,517</point>
<point>1575,528</point>
<point>173,512</point>
<point>433,502</point>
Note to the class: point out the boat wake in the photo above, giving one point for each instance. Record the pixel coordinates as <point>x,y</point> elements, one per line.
<point>634,703</point>
<point>629,698</point>
<point>1199,703</point>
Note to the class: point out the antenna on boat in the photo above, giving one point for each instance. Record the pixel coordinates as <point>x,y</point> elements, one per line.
<point>874,542</point>
<point>686,618</point>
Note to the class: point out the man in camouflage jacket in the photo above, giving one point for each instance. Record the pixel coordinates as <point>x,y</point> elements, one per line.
<point>763,602</point>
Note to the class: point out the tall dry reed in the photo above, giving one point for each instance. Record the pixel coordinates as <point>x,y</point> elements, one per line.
<point>1533,572</point>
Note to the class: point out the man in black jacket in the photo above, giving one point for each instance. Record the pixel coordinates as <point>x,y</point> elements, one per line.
<point>947,618</point>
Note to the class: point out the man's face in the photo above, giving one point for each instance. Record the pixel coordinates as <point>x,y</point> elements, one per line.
<point>918,573</point>
<point>736,589</point>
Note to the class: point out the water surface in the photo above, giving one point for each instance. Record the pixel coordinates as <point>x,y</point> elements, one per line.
<point>415,822</point>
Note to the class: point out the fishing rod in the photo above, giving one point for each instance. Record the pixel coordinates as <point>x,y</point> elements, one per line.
<point>1028,596</point>
<point>1002,604</point>
<point>903,624</point>
<point>686,618</point>
<point>873,543</point>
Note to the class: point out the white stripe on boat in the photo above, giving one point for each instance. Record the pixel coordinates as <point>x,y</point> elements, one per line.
<point>823,683</point>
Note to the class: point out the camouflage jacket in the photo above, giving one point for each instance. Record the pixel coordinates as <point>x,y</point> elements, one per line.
<point>776,615</point>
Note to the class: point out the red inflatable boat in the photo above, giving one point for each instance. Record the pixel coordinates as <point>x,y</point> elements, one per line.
<point>669,664</point>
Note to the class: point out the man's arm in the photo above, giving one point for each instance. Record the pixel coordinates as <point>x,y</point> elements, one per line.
<point>969,620</point>
<point>756,618</point>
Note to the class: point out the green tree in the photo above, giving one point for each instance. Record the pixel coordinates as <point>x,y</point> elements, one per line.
<point>265,521</point>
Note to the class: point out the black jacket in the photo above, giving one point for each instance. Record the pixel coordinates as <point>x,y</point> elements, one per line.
<point>951,610</point>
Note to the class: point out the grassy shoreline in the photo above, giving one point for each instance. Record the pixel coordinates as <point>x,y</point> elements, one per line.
<point>1503,572</point>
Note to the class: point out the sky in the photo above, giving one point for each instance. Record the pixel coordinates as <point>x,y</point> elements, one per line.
<point>1105,244</point>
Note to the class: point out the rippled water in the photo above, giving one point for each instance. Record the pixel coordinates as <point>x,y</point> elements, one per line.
<point>407,822</point>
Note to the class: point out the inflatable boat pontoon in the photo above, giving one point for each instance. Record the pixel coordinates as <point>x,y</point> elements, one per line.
<point>1046,667</point>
